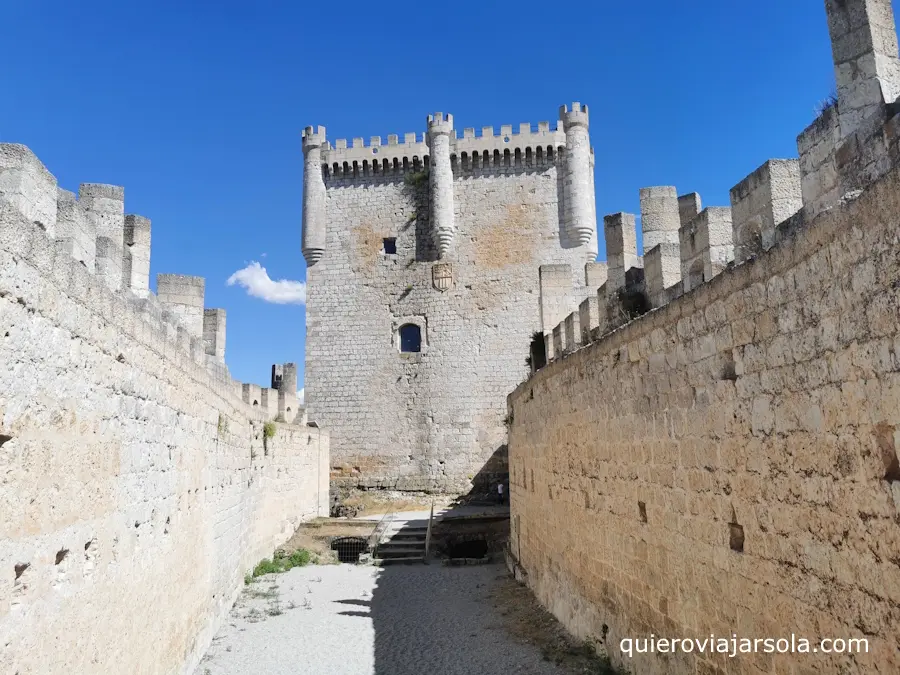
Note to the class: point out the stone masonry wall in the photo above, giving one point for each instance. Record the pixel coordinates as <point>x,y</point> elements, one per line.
<point>137,487</point>
<point>729,463</point>
<point>430,420</point>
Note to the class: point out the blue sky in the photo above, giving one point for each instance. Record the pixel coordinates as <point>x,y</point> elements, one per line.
<point>196,108</point>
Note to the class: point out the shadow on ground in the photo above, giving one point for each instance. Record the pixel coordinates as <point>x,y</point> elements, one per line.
<point>430,618</point>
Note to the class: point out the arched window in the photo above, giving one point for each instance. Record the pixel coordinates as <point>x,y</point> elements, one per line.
<point>410,338</point>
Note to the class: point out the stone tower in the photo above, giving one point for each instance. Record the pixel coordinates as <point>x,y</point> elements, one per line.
<point>579,179</point>
<point>441,181</point>
<point>313,195</point>
<point>423,256</point>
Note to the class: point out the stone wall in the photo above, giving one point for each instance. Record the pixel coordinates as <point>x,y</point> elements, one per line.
<point>431,420</point>
<point>728,463</point>
<point>137,488</point>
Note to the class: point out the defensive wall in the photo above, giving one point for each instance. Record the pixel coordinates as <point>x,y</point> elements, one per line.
<point>717,428</point>
<point>138,485</point>
<point>440,235</point>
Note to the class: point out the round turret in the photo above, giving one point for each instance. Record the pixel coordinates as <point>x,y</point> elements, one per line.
<point>441,181</point>
<point>579,199</point>
<point>314,198</point>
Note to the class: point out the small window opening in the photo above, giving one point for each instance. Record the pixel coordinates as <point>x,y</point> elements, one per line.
<point>410,338</point>
<point>390,246</point>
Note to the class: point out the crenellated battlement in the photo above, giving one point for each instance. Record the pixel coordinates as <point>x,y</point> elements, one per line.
<point>313,137</point>
<point>87,242</point>
<point>173,322</point>
<point>576,115</point>
<point>440,124</point>
<point>360,159</point>
<point>525,144</point>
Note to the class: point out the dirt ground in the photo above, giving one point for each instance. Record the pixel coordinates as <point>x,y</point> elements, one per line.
<point>525,620</point>
<point>315,536</point>
<point>396,620</point>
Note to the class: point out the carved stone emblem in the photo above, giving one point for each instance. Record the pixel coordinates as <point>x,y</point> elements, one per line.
<point>442,276</point>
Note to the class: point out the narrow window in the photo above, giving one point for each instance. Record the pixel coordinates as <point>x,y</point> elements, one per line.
<point>390,246</point>
<point>410,338</point>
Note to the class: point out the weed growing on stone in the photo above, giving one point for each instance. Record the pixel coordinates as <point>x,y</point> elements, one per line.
<point>269,429</point>
<point>416,178</point>
<point>282,562</point>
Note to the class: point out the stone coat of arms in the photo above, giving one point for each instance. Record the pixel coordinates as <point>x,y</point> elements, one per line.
<point>442,276</point>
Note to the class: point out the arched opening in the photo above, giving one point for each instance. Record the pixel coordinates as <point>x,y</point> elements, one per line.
<point>410,338</point>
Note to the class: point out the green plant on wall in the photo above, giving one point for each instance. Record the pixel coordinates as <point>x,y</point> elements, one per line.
<point>416,178</point>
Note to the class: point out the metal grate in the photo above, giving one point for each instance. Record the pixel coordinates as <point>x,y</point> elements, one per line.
<point>350,548</point>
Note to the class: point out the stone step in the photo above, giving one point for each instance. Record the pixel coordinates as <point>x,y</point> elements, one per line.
<point>397,561</point>
<point>409,528</point>
<point>395,550</point>
<point>407,536</point>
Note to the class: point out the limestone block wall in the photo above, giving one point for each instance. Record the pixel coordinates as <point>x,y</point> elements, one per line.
<point>74,230</point>
<point>764,199</point>
<point>214,333</point>
<point>855,139</point>
<point>432,419</point>
<point>706,246</point>
<point>742,478</point>
<point>104,208</point>
<point>183,295</point>
<point>137,487</point>
<point>136,256</point>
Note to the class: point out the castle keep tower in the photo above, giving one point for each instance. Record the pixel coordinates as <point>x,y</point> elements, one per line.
<point>423,255</point>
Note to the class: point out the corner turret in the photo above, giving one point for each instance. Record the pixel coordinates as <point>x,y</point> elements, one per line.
<point>579,188</point>
<point>440,127</point>
<point>314,232</point>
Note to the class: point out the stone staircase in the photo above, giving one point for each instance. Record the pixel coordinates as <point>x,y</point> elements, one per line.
<point>402,542</point>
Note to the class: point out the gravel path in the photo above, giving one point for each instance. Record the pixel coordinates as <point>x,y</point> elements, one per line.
<point>362,620</point>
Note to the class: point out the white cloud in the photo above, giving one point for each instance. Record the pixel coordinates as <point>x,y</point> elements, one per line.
<point>259,285</point>
<point>301,395</point>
